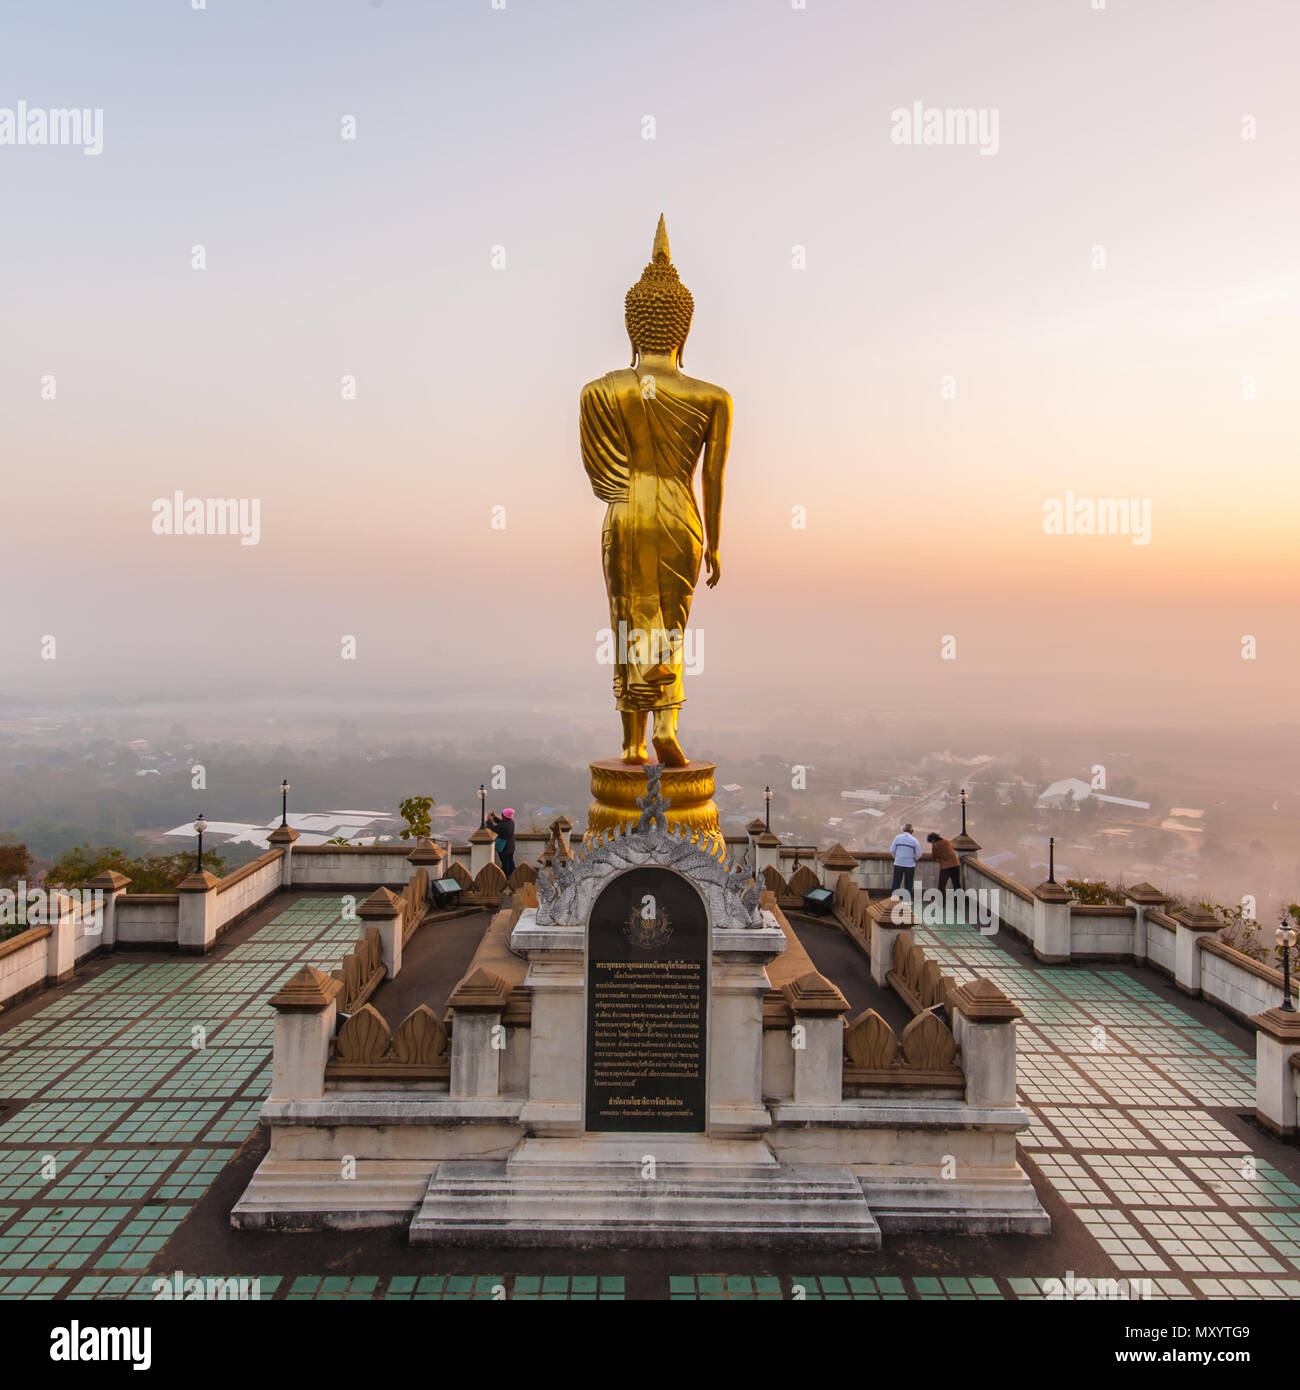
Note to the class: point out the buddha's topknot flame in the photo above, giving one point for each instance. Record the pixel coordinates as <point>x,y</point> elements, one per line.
<point>658,307</point>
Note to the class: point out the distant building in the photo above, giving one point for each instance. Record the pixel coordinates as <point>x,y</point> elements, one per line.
<point>314,828</point>
<point>1075,790</point>
<point>1068,787</point>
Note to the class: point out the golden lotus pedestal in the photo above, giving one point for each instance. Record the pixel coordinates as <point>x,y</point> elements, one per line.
<point>616,785</point>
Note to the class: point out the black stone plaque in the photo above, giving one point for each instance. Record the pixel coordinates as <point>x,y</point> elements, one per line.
<point>647,1001</point>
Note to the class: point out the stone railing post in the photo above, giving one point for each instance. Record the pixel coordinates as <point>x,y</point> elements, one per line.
<point>477,1036</point>
<point>482,851</point>
<point>383,910</point>
<point>562,827</point>
<point>1052,923</point>
<point>427,856</point>
<point>1143,898</point>
<point>752,831</point>
<point>61,944</point>
<point>984,1022</point>
<point>306,1008</point>
<point>557,1038</point>
<point>283,837</point>
<point>818,1039</point>
<point>197,929</point>
<point>740,982</point>
<point>1277,1041</point>
<point>767,852</point>
<point>1192,924</point>
<point>967,848</point>
<point>112,885</point>
<point>837,863</point>
<point>884,932</point>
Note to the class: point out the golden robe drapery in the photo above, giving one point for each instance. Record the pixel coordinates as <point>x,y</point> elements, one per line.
<point>640,444</point>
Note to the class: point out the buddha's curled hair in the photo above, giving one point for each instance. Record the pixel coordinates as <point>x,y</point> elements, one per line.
<point>658,307</point>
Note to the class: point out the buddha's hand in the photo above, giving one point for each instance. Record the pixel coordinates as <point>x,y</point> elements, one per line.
<point>714,568</point>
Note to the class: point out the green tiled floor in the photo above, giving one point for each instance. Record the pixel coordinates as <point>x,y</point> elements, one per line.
<point>715,1287</point>
<point>114,1175</point>
<point>62,1122</point>
<point>1120,1086</point>
<point>832,1288</point>
<point>42,1238</point>
<point>143,1237</point>
<point>567,1288</point>
<point>138,1083</point>
<point>447,1287</point>
<point>128,1114</point>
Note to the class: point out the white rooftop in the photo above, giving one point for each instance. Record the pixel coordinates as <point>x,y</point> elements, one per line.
<point>1071,786</point>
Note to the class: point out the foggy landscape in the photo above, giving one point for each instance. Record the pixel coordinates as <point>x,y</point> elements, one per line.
<point>121,772</point>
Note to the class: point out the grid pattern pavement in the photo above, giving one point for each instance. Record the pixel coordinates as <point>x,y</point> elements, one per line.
<point>1120,1086</point>
<point>137,1087</point>
<point>139,1084</point>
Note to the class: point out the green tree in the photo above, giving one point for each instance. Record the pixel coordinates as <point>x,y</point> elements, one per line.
<point>152,873</point>
<point>1239,931</point>
<point>15,863</point>
<point>1093,892</point>
<point>415,811</point>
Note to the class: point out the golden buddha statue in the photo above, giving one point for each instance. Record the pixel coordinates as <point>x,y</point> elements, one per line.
<point>643,428</point>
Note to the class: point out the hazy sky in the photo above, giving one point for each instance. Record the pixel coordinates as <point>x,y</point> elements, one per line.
<point>523,128</point>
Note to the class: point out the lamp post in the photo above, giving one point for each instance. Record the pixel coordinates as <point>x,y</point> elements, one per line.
<point>1051,859</point>
<point>767,809</point>
<point>200,826</point>
<point>284,803</point>
<point>482,805</point>
<point>1286,937</point>
<point>963,810</point>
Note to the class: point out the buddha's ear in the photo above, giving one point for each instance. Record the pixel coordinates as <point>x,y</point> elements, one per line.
<point>634,351</point>
<point>681,351</point>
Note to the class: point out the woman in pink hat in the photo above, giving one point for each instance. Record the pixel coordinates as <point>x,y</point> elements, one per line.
<point>503,827</point>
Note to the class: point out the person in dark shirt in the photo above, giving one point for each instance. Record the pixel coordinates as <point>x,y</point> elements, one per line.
<point>503,827</point>
<point>949,864</point>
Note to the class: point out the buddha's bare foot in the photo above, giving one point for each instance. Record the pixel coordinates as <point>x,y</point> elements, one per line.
<point>633,737</point>
<point>665,739</point>
<point>670,752</point>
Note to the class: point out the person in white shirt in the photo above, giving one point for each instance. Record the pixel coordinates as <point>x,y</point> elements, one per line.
<point>906,850</point>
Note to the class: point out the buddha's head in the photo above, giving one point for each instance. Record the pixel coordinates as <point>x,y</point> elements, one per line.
<point>658,307</point>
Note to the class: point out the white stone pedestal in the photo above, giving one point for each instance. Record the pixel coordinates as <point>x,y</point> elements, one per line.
<point>564,1185</point>
<point>647,1191</point>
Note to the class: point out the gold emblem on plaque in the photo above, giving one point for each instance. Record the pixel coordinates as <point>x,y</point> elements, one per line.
<point>648,932</point>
